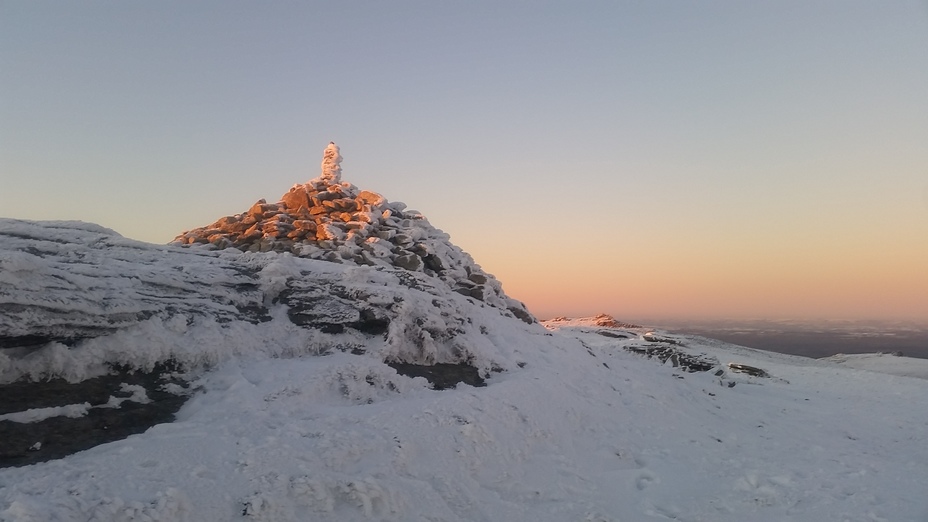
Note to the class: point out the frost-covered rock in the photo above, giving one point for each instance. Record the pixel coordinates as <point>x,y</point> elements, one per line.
<point>313,403</point>
<point>329,268</point>
<point>79,302</point>
<point>325,214</point>
<point>76,299</point>
<point>331,164</point>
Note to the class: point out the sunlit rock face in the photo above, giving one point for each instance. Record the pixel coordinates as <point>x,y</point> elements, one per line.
<point>332,220</point>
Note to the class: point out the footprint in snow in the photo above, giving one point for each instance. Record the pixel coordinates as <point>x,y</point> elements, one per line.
<point>645,480</point>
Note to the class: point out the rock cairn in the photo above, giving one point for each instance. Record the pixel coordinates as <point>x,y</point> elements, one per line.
<point>332,220</point>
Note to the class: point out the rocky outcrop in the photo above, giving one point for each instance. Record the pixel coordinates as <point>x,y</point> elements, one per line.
<point>86,315</point>
<point>332,220</point>
<point>599,322</point>
<point>607,321</point>
<point>99,333</point>
<point>688,362</point>
<point>77,298</point>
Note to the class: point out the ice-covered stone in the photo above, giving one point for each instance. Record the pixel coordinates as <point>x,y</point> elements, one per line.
<point>331,168</point>
<point>324,213</point>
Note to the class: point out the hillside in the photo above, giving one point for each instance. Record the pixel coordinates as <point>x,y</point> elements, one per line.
<point>372,371</point>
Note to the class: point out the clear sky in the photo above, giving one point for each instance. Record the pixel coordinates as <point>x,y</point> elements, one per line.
<point>648,159</point>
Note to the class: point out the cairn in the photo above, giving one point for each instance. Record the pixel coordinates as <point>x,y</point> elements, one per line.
<point>332,220</point>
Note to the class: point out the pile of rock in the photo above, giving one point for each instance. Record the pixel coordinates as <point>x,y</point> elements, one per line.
<point>607,321</point>
<point>333,220</point>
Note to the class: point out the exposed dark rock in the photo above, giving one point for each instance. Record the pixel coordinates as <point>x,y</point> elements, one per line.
<point>329,328</point>
<point>522,314</point>
<point>56,437</point>
<point>614,335</point>
<point>475,291</point>
<point>441,375</point>
<point>25,341</point>
<point>410,262</point>
<point>679,359</point>
<point>370,323</point>
<point>750,370</point>
<point>480,279</point>
<point>433,263</point>
<point>651,338</point>
<point>255,313</point>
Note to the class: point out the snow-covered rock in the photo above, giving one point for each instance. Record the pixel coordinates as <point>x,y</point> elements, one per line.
<point>77,299</point>
<point>85,312</point>
<point>376,373</point>
<point>582,428</point>
<point>332,220</point>
<point>331,164</point>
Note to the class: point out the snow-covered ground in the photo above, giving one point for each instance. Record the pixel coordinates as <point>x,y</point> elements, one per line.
<point>289,424</point>
<point>584,431</point>
<point>885,363</point>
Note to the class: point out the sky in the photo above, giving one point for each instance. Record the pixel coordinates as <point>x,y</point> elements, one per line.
<point>710,160</point>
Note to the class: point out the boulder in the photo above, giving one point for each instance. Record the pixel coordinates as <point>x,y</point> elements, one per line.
<point>304,224</point>
<point>480,279</point>
<point>257,209</point>
<point>409,262</point>
<point>226,222</point>
<point>371,198</point>
<point>296,198</point>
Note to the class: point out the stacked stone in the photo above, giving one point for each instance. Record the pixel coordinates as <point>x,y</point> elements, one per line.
<point>333,220</point>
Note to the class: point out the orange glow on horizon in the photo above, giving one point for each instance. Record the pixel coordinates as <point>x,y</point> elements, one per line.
<point>874,286</point>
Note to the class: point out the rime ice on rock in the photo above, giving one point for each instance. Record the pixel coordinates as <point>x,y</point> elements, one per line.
<point>331,164</point>
<point>332,220</point>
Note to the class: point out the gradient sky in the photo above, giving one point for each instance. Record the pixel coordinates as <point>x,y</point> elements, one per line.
<point>646,159</point>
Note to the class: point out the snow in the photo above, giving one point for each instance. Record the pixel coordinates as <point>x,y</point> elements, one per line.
<point>331,168</point>
<point>884,363</point>
<point>40,414</point>
<point>343,437</point>
<point>137,394</point>
<point>571,425</point>
<point>157,303</point>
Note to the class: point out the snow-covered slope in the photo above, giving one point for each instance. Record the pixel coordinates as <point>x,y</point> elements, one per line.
<point>581,429</point>
<point>303,400</point>
<point>883,363</point>
<point>113,328</point>
<point>116,301</point>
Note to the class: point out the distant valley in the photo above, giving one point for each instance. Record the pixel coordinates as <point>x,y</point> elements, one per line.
<point>813,338</point>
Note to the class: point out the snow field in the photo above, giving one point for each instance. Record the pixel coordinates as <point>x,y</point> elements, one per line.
<point>289,424</point>
<point>342,437</point>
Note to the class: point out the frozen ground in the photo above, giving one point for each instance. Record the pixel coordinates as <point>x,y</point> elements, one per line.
<point>883,362</point>
<point>572,426</point>
<point>585,431</point>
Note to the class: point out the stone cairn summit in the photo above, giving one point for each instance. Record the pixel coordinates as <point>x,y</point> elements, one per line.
<point>332,220</point>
